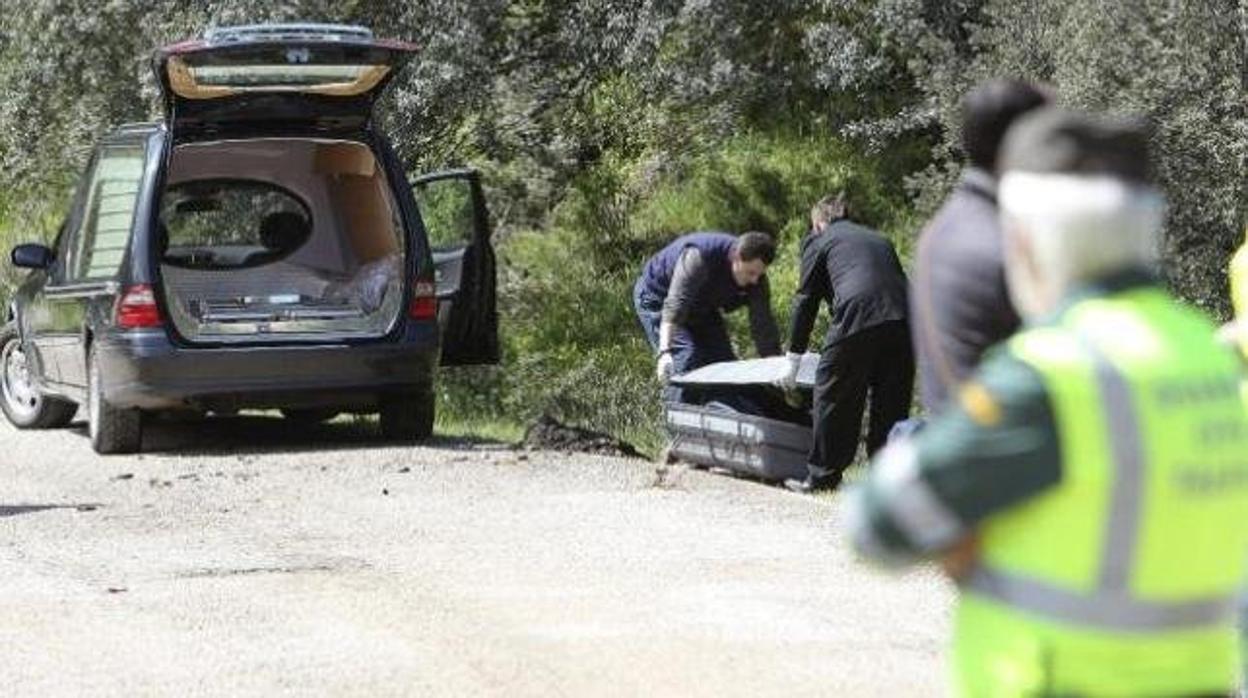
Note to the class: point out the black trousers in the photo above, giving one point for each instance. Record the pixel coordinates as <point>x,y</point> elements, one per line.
<point>877,362</point>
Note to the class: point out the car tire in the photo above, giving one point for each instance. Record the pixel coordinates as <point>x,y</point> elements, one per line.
<point>407,416</point>
<point>113,430</point>
<point>309,416</point>
<point>23,405</point>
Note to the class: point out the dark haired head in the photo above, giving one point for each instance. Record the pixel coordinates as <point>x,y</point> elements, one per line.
<point>1058,141</point>
<point>989,110</point>
<point>754,245</point>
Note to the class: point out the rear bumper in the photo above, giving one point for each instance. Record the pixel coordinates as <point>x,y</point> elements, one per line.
<point>147,370</point>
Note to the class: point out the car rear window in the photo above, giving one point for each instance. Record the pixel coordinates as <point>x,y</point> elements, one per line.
<point>231,224</point>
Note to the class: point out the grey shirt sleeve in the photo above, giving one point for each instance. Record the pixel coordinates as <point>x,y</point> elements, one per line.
<point>687,280</point>
<point>763,327</point>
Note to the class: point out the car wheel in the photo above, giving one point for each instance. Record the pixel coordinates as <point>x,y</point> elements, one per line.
<point>23,404</point>
<point>309,416</point>
<point>407,416</point>
<point>112,430</point>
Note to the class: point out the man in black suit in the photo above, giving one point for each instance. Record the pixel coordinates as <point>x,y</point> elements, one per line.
<point>867,349</point>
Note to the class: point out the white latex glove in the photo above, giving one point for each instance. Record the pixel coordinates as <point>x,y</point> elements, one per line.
<point>664,368</point>
<point>787,381</point>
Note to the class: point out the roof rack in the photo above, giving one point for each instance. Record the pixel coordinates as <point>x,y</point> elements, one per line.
<point>279,32</point>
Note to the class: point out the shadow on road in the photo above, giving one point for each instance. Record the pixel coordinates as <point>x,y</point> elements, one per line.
<point>262,433</point>
<point>7,510</point>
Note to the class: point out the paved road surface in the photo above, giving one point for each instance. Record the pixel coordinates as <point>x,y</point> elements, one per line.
<point>242,558</point>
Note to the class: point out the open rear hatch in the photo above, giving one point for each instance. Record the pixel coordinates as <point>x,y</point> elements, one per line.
<point>282,73</point>
<point>270,231</point>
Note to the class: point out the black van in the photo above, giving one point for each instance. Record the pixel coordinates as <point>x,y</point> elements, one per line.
<point>260,248</point>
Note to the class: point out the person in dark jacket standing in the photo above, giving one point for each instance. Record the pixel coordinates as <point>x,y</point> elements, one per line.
<point>684,290</point>
<point>959,305</point>
<point>867,349</point>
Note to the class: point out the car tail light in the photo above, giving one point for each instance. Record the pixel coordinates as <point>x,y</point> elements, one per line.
<point>136,308</point>
<point>424,305</point>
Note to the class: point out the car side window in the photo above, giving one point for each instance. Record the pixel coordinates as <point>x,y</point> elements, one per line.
<point>104,231</point>
<point>446,207</point>
<point>60,247</point>
<point>63,243</point>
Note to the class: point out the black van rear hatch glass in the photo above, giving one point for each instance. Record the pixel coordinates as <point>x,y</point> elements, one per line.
<point>278,72</point>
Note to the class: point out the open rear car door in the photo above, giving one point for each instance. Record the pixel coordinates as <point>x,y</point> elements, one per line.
<point>452,205</point>
<point>329,75</point>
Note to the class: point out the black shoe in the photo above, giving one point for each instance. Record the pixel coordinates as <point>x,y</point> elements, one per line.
<point>813,484</point>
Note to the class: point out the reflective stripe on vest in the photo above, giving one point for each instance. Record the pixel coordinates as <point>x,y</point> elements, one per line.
<point>1101,609</point>
<point>1110,606</point>
<point>1239,294</point>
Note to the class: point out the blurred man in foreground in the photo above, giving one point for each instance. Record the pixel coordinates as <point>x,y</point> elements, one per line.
<point>959,305</point>
<point>684,290</point>
<point>1087,489</point>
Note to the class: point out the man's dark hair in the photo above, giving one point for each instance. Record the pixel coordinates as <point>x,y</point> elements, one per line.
<point>754,245</point>
<point>1058,141</point>
<point>829,209</point>
<point>987,113</point>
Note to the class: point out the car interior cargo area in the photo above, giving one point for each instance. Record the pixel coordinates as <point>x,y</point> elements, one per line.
<point>307,244</point>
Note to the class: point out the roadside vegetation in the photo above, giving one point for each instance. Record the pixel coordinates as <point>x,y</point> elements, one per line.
<point>593,366</point>
<point>604,128</point>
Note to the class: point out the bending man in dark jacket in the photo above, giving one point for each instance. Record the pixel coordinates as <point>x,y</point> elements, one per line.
<point>959,305</point>
<point>867,350</point>
<point>685,289</point>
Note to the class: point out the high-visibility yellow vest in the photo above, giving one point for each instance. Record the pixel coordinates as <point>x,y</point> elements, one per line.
<point>1239,294</point>
<point>1121,579</point>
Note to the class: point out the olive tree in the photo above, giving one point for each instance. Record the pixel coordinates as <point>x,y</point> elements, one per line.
<point>1182,66</point>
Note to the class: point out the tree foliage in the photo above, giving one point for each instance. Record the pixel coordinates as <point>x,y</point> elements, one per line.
<point>605,125</point>
<point>1183,66</point>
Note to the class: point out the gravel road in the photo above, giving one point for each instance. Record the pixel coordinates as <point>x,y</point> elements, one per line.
<point>247,557</point>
